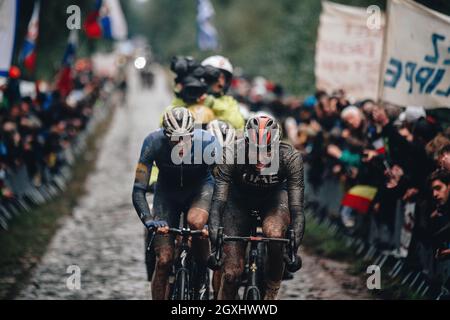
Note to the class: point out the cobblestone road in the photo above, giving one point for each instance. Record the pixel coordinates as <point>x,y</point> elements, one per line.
<point>104,237</point>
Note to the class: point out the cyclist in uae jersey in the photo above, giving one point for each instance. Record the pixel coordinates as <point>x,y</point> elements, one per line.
<point>273,186</point>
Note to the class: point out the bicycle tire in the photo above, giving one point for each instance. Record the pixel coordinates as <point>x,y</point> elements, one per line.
<point>193,294</point>
<point>261,264</point>
<point>181,286</point>
<point>206,296</point>
<point>252,294</point>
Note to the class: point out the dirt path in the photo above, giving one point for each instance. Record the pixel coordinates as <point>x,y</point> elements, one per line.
<point>323,279</point>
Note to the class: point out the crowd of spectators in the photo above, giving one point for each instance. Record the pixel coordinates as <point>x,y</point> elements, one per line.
<point>38,125</point>
<point>391,162</point>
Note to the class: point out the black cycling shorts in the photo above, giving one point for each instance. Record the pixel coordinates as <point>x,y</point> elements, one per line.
<point>169,204</point>
<point>237,220</point>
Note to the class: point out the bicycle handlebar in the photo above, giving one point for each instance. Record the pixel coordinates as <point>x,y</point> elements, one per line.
<point>175,231</point>
<point>187,232</point>
<point>254,239</point>
<point>290,258</point>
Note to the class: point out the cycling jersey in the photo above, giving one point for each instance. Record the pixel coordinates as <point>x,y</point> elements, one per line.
<point>183,178</point>
<point>224,108</point>
<point>242,183</point>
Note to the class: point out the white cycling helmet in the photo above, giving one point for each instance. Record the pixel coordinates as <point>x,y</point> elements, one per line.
<point>220,63</point>
<point>224,133</point>
<point>178,122</point>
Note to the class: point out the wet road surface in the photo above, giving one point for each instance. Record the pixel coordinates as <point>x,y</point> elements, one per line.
<point>104,237</point>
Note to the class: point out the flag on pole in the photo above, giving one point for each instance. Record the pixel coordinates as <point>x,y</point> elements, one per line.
<point>69,54</point>
<point>379,146</point>
<point>28,55</point>
<point>92,26</point>
<point>64,79</point>
<point>113,21</point>
<point>107,21</point>
<point>8,18</point>
<point>416,60</point>
<point>359,198</point>
<point>207,33</point>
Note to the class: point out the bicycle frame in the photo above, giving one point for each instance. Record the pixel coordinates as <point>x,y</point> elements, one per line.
<point>181,289</point>
<point>252,291</point>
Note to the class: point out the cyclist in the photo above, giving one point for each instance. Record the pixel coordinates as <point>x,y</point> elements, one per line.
<point>185,184</point>
<point>225,107</point>
<point>191,87</point>
<point>190,92</point>
<point>225,135</point>
<point>270,181</point>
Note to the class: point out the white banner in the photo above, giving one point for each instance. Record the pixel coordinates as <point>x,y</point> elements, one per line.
<point>416,67</point>
<point>8,16</point>
<point>349,50</point>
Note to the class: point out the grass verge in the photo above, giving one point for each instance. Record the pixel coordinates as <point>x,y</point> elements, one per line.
<point>29,235</point>
<point>320,241</point>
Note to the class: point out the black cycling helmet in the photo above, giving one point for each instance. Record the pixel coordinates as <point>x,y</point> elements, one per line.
<point>178,122</point>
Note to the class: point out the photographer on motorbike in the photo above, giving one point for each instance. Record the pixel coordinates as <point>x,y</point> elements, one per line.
<point>220,75</point>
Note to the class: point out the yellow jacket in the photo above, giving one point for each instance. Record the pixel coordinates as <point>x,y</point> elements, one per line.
<point>224,108</point>
<point>202,112</point>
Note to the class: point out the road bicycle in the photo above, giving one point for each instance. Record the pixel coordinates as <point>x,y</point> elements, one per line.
<point>184,270</point>
<point>257,255</point>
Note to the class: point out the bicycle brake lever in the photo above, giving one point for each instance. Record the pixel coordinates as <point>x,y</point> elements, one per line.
<point>219,244</point>
<point>151,238</point>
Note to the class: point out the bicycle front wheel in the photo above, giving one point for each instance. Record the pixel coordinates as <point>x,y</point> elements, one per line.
<point>252,293</point>
<point>181,289</point>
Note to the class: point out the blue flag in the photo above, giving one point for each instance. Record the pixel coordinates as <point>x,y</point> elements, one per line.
<point>207,33</point>
<point>70,53</point>
<point>28,54</point>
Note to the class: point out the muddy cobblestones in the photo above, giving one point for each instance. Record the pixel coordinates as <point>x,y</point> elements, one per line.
<point>104,237</point>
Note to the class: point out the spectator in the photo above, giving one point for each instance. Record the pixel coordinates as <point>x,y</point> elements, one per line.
<point>440,223</point>
<point>376,148</point>
<point>444,157</point>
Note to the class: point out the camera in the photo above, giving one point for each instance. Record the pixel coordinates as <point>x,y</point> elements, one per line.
<point>183,67</point>
<point>187,66</point>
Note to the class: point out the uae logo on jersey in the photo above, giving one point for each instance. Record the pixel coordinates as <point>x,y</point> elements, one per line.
<point>251,178</point>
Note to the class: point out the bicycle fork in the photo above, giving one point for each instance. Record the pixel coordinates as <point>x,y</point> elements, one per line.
<point>252,292</point>
<point>181,281</point>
